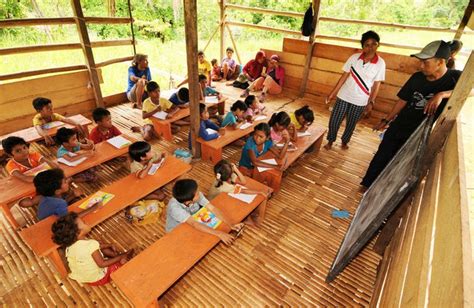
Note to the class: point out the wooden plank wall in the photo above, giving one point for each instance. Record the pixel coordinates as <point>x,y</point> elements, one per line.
<point>326,68</point>
<point>429,260</point>
<point>69,92</point>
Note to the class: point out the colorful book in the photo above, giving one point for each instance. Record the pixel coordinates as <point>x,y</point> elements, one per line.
<point>38,169</point>
<point>95,198</point>
<point>207,218</point>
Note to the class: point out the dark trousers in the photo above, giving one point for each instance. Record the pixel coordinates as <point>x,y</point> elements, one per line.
<point>389,146</point>
<point>341,110</point>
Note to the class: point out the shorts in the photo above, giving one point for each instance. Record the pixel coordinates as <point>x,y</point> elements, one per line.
<point>106,279</point>
<point>132,94</point>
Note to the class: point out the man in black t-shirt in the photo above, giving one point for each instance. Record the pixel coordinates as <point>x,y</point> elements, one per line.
<point>425,93</point>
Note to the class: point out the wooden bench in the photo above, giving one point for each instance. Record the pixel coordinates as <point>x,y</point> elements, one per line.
<point>273,176</point>
<point>127,191</point>
<point>14,189</point>
<point>212,150</point>
<point>149,274</point>
<point>30,134</point>
<point>163,127</point>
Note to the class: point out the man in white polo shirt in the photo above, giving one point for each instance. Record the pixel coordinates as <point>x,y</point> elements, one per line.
<point>356,89</point>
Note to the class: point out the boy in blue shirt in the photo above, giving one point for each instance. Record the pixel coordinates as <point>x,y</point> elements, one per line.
<point>235,114</point>
<point>206,124</point>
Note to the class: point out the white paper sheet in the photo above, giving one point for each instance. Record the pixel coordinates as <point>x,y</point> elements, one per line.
<point>211,131</point>
<point>260,118</point>
<point>161,115</point>
<point>52,124</point>
<point>119,142</point>
<point>270,161</point>
<point>71,163</point>
<point>211,100</point>
<point>156,166</point>
<point>247,198</point>
<point>262,169</point>
<point>302,134</point>
<point>245,125</point>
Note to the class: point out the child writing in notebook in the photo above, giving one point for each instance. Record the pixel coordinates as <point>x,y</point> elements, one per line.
<point>208,91</point>
<point>186,201</point>
<point>229,179</point>
<point>46,115</point>
<point>257,145</point>
<point>22,160</point>
<point>280,124</point>
<point>89,261</point>
<point>204,126</point>
<point>301,119</point>
<point>234,115</point>
<point>254,108</point>
<point>153,104</point>
<point>104,129</point>
<point>72,150</point>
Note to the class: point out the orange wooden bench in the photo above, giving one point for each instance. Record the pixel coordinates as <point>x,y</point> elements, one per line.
<point>163,127</point>
<point>128,190</point>
<point>14,189</point>
<point>149,274</point>
<point>212,150</point>
<point>274,176</point>
<point>30,134</point>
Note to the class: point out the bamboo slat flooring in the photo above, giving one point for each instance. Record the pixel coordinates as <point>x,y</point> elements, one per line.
<point>283,263</point>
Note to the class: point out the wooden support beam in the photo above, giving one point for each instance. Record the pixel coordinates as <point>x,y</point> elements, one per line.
<point>27,22</point>
<point>190,29</point>
<point>108,20</point>
<point>87,50</point>
<point>264,11</point>
<point>42,72</point>
<point>309,52</point>
<point>222,28</point>
<point>464,20</point>
<point>113,61</point>
<point>129,6</point>
<point>259,27</point>
<point>234,44</point>
<point>111,43</point>
<point>212,36</point>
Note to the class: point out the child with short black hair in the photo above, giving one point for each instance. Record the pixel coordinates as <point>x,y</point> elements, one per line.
<point>22,160</point>
<point>186,201</point>
<point>254,108</point>
<point>216,71</point>
<point>208,91</point>
<point>104,129</point>
<point>85,257</point>
<point>235,114</point>
<point>45,115</point>
<point>229,68</point>
<point>180,98</point>
<point>205,124</point>
<point>257,145</point>
<point>51,185</point>
<point>153,104</point>
<point>279,123</point>
<point>229,179</point>
<point>72,150</point>
<point>142,159</point>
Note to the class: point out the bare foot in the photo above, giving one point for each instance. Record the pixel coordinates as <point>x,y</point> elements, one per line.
<point>344,146</point>
<point>249,221</point>
<point>136,129</point>
<point>245,93</point>
<point>328,146</point>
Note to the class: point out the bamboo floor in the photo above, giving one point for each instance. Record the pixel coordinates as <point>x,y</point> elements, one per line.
<point>283,263</point>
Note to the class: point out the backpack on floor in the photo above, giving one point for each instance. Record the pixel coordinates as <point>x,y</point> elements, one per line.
<point>307,26</point>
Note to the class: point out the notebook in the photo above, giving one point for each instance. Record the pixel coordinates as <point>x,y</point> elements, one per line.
<point>260,118</point>
<point>263,169</point>
<point>211,100</point>
<point>52,124</point>
<point>270,161</point>
<point>247,198</point>
<point>211,131</point>
<point>119,142</point>
<point>245,125</point>
<point>71,163</point>
<point>95,198</point>
<point>38,169</point>
<point>156,166</point>
<point>302,134</point>
<point>161,115</point>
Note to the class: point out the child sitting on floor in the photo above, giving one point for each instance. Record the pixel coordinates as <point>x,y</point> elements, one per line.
<point>45,115</point>
<point>89,261</point>
<point>186,201</point>
<point>229,68</point>
<point>104,129</point>
<point>216,71</point>
<point>229,179</point>
<point>22,161</point>
<point>234,115</point>
<point>280,123</point>
<point>254,108</point>
<point>153,104</point>
<point>257,145</point>
<point>72,150</point>
<point>51,185</point>
<point>143,159</point>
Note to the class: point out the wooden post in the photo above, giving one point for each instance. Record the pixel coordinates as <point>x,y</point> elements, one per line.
<point>131,26</point>
<point>190,21</point>
<point>210,39</point>
<point>87,50</point>
<point>309,53</point>
<point>222,26</point>
<point>233,43</point>
<point>464,20</point>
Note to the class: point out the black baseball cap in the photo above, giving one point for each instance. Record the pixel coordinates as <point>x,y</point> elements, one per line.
<point>436,49</point>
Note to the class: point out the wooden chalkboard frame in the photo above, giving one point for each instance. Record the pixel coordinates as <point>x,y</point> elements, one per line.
<point>346,252</point>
